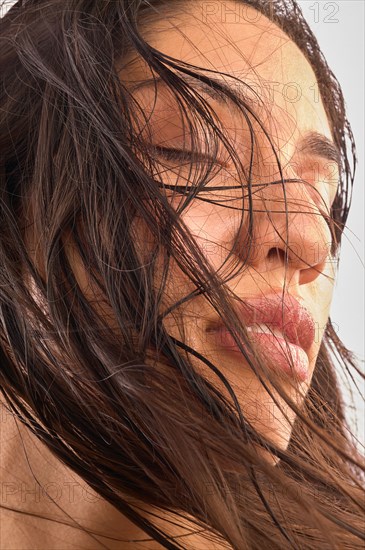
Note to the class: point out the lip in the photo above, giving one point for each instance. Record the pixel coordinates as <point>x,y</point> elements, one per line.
<point>283,313</point>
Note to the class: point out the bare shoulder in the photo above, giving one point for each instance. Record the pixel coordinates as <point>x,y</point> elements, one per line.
<point>44,505</point>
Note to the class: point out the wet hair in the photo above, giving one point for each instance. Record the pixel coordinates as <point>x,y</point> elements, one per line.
<point>120,400</point>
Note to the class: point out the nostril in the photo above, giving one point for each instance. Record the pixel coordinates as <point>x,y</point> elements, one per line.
<point>275,254</point>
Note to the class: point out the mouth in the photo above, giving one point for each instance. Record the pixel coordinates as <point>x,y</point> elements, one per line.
<point>280,327</point>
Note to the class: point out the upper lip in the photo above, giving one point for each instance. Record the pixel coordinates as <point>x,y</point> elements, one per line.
<point>277,311</point>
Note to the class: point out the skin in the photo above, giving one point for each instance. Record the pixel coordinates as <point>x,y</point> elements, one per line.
<point>260,53</point>
<point>263,56</point>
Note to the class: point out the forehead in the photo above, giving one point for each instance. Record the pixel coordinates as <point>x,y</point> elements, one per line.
<point>234,39</point>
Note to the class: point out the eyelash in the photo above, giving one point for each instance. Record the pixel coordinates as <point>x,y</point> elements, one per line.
<point>171,153</point>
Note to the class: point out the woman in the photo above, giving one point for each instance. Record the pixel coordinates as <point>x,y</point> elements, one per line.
<point>172,203</point>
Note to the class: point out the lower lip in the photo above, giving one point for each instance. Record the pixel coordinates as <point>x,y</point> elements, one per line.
<point>281,354</point>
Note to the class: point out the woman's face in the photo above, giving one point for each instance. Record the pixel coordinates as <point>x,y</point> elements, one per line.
<point>240,42</point>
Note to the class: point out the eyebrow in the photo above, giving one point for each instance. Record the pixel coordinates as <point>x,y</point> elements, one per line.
<point>311,144</point>
<point>316,144</point>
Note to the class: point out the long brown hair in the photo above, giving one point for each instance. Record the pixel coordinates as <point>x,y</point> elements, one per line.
<point>123,406</point>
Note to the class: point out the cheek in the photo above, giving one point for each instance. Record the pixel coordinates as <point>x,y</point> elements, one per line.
<point>215,227</point>
<point>206,227</point>
<point>321,298</point>
<point>177,284</point>
<point>325,288</point>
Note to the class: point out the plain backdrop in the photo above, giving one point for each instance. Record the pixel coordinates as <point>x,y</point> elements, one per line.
<point>339,27</point>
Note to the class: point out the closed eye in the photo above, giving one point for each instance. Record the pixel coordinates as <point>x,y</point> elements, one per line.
<point>172,153</point>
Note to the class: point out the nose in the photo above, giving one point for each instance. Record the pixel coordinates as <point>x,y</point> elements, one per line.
<point>289,232</point>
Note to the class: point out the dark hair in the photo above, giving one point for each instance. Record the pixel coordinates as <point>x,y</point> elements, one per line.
<point>121,402</point>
